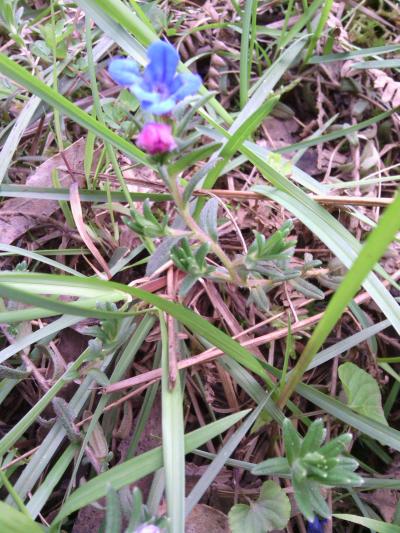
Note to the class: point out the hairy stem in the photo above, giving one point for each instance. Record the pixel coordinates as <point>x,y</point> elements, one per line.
<point>199,233</point>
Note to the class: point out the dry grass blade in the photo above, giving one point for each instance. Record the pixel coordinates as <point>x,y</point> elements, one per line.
<point>76,209</point>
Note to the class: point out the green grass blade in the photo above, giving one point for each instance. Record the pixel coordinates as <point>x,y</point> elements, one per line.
<point>125,360</point>
<point>44,492</point>
<point>362,52</point>
<point>127,19</point>
<point>220,459</point>
<point>178,311</point>
<point>262,90</point>
<point>246,128</point>
<point>314,141</point>
<point>246,53</point>
<point>114,31</point>
<point>12,521</point>
<point>379,63</point>
<point>19,429</point>
<point>329,230</point>
<point>20,75</point>
<point>301,23</point>
<point>385,435</point>
<point>46,193</point>
<point>377,242</point>
<point>173,433</point>
<point>40,258</point>
<point>377,525</point>
<point>345,344</point>
<point>326,8</point>
<point>130,471</point>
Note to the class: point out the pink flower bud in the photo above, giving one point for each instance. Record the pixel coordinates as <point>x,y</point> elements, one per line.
<point>156,138</point>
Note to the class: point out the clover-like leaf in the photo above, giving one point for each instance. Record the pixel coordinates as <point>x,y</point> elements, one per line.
<point>270,511</point>
<point>362,392</point>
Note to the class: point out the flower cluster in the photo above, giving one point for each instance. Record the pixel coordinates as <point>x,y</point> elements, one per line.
<point>159,89</point>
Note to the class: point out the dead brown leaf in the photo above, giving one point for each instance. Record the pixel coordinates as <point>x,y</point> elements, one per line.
<point>19,215</point>
<point>388,87</point>
<point>385,500</point>
<point>204,519</point>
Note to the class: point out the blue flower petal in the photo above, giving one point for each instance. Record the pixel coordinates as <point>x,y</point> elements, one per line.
<point>124,71</point>
<point>316,525</point>
<point>189,84</point>
<point>163,62</point>
<point>143,94</point>
<point>162,107</point>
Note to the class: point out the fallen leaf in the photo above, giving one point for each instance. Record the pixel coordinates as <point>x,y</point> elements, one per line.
<point>204,519</point>
<point>385,501</point>
<point>19,215</point>
<point>389,88</point>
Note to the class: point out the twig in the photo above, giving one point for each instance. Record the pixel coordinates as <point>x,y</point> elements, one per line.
<point>325,200</point>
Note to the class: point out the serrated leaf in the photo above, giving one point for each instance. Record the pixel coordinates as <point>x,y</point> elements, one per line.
<point>271,511</point>
<point>362,392</point>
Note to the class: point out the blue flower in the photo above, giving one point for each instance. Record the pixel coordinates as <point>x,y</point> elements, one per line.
<point>159,88</point>
<point>316,526</point>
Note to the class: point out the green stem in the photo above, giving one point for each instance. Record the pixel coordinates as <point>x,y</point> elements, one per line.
<point>14,494</point>
<point>200,234</point>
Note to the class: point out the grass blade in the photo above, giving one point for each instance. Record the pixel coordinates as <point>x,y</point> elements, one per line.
<point>20,75</point>
<point>377,525</point>
<point>173,433</point>
<point>362,52</point>
<point>13,521</point>
<point>377,242</point>
<point>220,459</point>
<point>130,471</point>
<point>246,52</point>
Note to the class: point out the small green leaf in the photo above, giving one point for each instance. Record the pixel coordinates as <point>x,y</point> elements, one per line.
<point>314,437</point>
<point>208,218</point>
<point>302,498</point>
<point>271,511</point>
<point>336,446</point>
<point>113,512</point>
<point>292,441</point>
<point>275,465</point>
<point>362,391</point>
